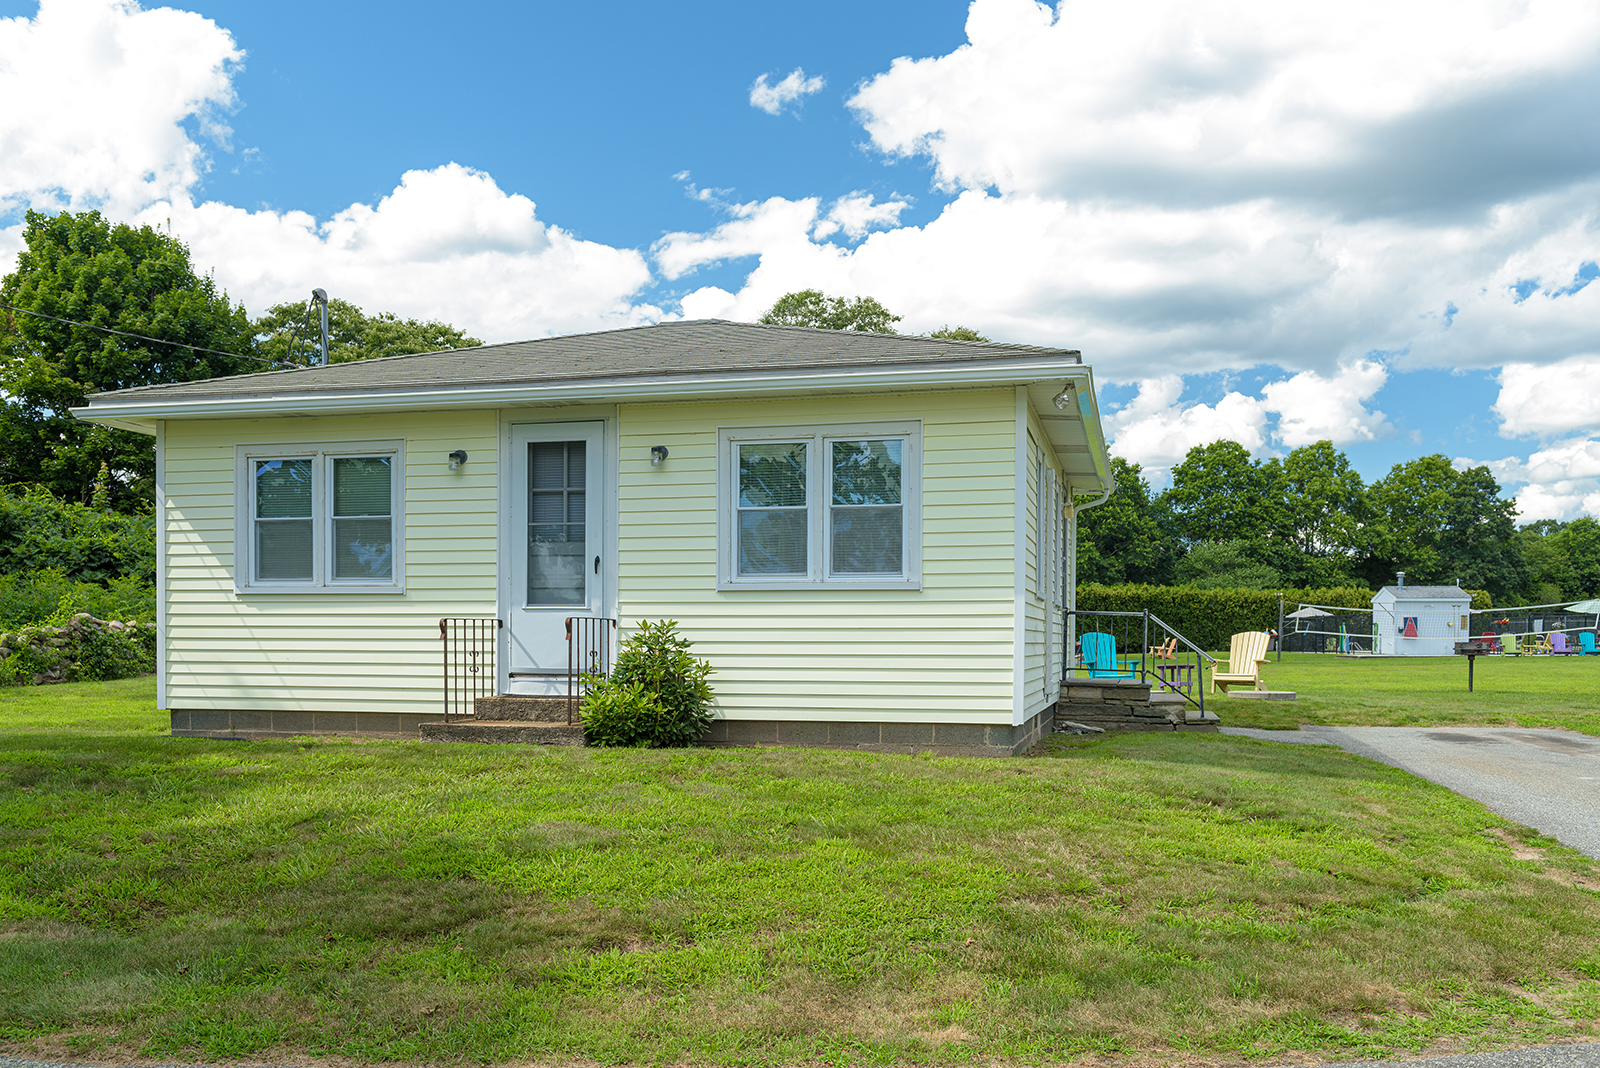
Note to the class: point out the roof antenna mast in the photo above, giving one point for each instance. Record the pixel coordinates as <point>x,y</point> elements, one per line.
<point>320,298</point>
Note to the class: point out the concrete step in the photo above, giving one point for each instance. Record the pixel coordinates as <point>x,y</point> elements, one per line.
<point>509,707</point>
<point>500,732</point>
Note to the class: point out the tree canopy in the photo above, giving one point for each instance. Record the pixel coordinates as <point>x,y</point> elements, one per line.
<point>1308,520</point>
<point>352,334</point>
<point>137,280</point>
<point>958,333</point>
<point>809,307</point>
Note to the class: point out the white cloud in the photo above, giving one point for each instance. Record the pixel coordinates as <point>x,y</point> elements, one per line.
<point>1550,400</point>
<point>771,98</point>
<point>1228,183</point>
<point>97,91</point>
<point>1561,481</point>
<point>109,88</point>
<point>858,213</point>
<point>1312,408</point>
<point>446,244</point>
<point>1156,430</point>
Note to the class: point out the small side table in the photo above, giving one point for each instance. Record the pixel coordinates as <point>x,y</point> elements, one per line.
<point>1175,677</point>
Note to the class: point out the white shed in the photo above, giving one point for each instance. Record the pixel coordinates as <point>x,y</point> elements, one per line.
<point>1420,620</point>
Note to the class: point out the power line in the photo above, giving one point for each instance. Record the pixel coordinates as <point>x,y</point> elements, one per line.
<point>145,337</point>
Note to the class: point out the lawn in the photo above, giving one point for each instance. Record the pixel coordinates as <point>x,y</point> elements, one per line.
<point>1508,691</point>
<point>1200,896</point>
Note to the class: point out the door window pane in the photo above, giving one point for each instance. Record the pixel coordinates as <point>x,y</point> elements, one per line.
<point>866,519</point>
<point>772,510</point>
<point>557,531</point>
<point>283,520</point>
<point>363,527</point>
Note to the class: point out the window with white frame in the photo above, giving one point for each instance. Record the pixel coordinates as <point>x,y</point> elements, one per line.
<point>319,517</point>
<point>820,505</point>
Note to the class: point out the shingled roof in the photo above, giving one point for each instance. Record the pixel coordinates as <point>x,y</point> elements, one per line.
<point>1426,593</point>
<point>695,347</point>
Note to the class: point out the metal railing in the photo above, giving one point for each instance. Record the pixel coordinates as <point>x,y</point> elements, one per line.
<point>469,647</point>
<point>1146,650</point>
<point>591,645</point>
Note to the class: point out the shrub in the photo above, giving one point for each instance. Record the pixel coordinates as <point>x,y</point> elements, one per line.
<point>29,597</point>
<point>77,648</point>
<point>656,695</point>
<point>39,531</point>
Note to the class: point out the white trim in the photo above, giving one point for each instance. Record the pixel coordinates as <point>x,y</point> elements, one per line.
<point>1019,654</point>
<point>655,388</point>
<point>161,566</point>
<point>818,476</point>
<point>321,454</point>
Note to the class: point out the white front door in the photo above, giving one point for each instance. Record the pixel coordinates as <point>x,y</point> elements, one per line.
<point>557,494</point>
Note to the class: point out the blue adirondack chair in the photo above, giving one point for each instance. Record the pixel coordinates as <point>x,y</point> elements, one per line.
<point>1100,656</point>
<point>1587,643</point>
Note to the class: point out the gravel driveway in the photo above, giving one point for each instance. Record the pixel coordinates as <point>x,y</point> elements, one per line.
<point>1549,780</point>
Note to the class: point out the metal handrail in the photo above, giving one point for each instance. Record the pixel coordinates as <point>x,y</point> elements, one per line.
<point>600,641</point>
<point>1069,638</point>
<point>469,661</point>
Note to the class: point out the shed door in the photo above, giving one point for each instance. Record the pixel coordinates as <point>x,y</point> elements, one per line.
<point>556,519</point>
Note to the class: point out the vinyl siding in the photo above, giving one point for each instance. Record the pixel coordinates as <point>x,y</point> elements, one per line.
<point>333,651</point>
<point>939,654</point>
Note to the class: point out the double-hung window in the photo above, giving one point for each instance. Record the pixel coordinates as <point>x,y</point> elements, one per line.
<point>809,506</point>
<point>319,517</point>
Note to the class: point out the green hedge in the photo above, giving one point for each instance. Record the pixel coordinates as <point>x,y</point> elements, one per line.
<point>1210,617</point>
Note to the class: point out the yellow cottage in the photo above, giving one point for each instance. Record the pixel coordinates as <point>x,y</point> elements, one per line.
<point>870,537</point>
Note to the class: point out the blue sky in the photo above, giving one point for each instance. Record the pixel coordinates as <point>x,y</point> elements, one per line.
<point>1366,223</point>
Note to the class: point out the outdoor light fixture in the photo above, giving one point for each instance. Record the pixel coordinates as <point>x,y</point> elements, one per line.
<point>458,458</point>
<point>1065,397</point>
<point>657,454</point>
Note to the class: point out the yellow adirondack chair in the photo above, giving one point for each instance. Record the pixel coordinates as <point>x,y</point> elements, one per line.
<point>1246,653</point>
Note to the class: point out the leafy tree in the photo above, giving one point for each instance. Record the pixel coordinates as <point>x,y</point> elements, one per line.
<point>1219,494</point>
<point>1440,525</point>
<point>809,307</point>
<point>1562,560</point>
<point>1325,501</point>
<point>958,333</point>
<point>1125,539</point>
<point>1227,565</point>
<point>352,334</point>
<point>138,280</point>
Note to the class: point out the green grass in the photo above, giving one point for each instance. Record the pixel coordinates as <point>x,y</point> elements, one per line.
<point>1508,691</point>
<point>1203,896</point>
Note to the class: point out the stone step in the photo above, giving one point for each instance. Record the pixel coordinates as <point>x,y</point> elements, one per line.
<point>515,731</point>
<point>523,709</point>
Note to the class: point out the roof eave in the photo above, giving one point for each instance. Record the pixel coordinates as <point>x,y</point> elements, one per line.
<point>142,414</point>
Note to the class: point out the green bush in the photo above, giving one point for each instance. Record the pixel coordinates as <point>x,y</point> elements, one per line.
<point>77,648</point>
<point>39,532</point>
<point>656,695</point>
<point>29,597</point>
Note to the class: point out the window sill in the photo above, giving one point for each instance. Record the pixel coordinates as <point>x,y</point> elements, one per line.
<point>304,588</point>
<point>751,586</point>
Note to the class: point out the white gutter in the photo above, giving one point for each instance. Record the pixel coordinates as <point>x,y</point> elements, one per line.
<point>660,388</point>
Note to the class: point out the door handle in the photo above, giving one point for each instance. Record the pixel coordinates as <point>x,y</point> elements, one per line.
<point>597,565</point>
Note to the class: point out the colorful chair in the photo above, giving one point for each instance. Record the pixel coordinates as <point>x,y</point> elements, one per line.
<point>1508,645</point>
<point>1247,651</point>
<point>1558,644</point>
<point>1586,644</point>
<point>1100,656</point>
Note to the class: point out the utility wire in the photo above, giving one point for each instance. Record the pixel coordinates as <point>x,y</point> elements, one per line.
<point>145,337</point>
